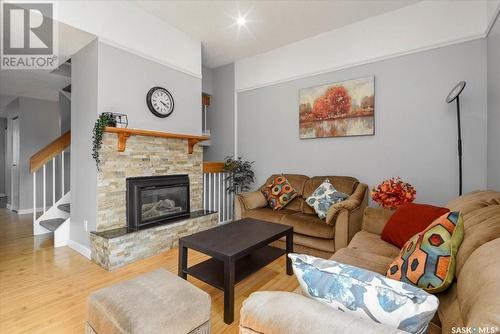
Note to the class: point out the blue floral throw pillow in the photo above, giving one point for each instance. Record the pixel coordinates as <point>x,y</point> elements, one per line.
<point>323,197</point>
<point>364,293</point>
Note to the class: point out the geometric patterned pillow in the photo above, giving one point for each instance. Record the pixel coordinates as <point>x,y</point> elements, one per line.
<point>323,197</point>
<point>427,260</point>
<point>279,192</point>
<point>364,293</point>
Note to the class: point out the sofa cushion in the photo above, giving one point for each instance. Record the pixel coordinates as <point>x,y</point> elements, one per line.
<point>371,243</point>
<point>308,224</point>
<point>364,293</point>
<point>478,287</point>
<point>427,260</point>
<point>268,214</point>
<point>279,192</point>
<point>296,180</point>
<point>367,260</point>
<point>480,226</point>
<point>253,200</point>
<point>408,220</point>
<point>345,184</point>
<point>474,201</point>
<point>449,311</point>
<point>323,197</point>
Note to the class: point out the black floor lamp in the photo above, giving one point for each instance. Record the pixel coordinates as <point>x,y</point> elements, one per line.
<point>455,96</point>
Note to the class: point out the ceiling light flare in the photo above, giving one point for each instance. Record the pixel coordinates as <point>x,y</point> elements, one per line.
<point>241,21</point>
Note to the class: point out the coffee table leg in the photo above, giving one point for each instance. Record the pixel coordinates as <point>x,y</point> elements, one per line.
<point>289,249</point>
<point>183,254</point>
<point>229,291</point>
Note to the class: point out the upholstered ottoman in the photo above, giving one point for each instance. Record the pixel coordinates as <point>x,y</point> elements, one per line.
<point>156,302</point>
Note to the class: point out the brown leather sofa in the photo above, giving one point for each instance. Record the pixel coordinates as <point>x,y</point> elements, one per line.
<point>472,301</point>
<point>314,236</point>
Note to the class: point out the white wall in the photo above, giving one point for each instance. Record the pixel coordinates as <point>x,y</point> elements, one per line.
<point>126,25</point>
<point>415,130</point>
<point>494,107</point>
<point>424,25</point>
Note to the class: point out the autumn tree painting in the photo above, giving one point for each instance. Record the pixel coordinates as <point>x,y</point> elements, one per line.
<point>337,110</point>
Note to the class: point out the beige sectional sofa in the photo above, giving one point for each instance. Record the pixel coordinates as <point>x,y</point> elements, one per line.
<point>473,300</point>
<point>314,236</point>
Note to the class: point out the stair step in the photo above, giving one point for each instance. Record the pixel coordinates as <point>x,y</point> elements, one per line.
<point>52,224</point>
<point>64,207</point>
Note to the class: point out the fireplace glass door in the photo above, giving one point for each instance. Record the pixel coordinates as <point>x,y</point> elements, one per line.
<point>163,202</point>
<point>156,199</point>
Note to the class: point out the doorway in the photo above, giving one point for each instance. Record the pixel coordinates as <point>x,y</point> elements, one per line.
<point>14,174</point>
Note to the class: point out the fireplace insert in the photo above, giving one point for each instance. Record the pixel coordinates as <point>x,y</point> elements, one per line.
<point>156,199</point>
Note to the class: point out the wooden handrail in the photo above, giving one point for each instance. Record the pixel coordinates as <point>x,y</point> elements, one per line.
<point>50,151</point>
<point>213,167</point>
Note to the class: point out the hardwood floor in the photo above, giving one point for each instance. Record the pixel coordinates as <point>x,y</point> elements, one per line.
<point>44,290</point>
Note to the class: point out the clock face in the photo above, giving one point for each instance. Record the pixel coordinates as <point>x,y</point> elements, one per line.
<point>160,101</point>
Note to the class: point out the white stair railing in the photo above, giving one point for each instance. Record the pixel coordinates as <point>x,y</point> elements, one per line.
<point>49,157</point>
<point>215,194</point>
<point>53,164</point>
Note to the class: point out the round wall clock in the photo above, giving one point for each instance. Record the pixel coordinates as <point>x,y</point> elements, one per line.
<point>160,102</point>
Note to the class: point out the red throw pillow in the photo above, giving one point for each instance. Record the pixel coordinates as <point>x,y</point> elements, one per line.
<point>408,220</point>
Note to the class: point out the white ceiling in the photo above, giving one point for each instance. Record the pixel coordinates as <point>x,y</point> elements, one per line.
<point>271,24</point>
<point>42,84</point>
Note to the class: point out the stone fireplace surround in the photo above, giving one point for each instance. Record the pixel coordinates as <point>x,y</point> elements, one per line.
<point>112,244</point>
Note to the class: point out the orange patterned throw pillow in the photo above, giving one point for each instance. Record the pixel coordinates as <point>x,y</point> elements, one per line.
<point>279,193</point>
<point>427,260</point>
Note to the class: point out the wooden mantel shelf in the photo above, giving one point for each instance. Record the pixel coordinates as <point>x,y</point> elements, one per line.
<point>124,133</point>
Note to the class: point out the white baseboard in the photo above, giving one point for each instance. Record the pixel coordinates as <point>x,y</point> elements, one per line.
<point>80,248</point>
<point>26,211</point>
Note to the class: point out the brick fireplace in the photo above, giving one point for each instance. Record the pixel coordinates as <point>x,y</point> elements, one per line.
<point>113,244</point>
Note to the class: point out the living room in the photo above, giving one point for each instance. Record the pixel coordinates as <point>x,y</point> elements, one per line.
<point>251,166</point>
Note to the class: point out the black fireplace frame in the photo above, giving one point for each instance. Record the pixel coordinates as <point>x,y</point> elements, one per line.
<point>134,187</point>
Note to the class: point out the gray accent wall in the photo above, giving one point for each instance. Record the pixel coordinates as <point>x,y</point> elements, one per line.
<point>207,80</point>
<point>65,112</point>
<point>108,79</point>
<point>38,126</point>
<point>493,41</point>
<point>124,80</point>
<point>3,137</point>
<point>220,117</point>
<point>84,85</point>
<point>415,130</point>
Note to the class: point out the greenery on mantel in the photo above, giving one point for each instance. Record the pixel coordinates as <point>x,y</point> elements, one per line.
<point>241,174</point>
<point>104,120</point>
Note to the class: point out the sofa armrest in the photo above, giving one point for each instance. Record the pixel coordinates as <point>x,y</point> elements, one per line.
<point>278,312</point>
<point>347,216</point>
<point>374,219</point>
<point>248,201</point>
<point>351,203</point>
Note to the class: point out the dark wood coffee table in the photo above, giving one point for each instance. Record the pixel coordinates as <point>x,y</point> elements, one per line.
<point>238,249</point>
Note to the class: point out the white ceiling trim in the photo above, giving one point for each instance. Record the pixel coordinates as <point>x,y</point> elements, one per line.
<point>149,57</point>
<point>423,26</point>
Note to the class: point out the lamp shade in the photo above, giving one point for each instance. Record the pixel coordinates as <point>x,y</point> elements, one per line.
<point>459,87</point>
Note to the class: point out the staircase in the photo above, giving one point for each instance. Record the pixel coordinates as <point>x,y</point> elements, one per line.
<point>56,217</point>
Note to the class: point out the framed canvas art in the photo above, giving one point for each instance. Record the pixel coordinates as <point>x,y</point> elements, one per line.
<point>340,109</point>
